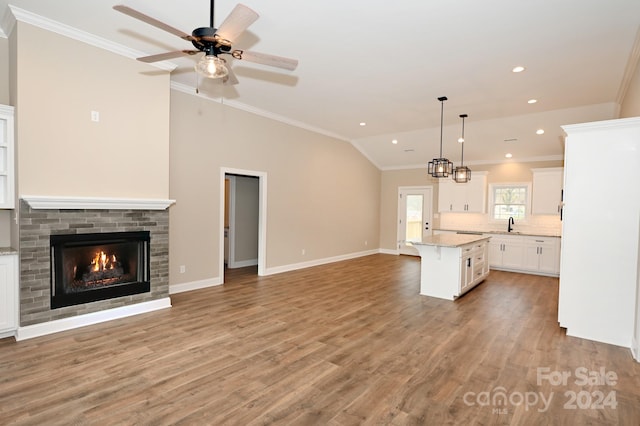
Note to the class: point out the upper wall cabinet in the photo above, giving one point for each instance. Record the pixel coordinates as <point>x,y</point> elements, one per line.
<point>6,158</point>
<point>470,197</point>
<point>547,190</point>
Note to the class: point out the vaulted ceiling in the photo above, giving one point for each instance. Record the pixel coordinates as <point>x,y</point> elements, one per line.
<point>386,63</point>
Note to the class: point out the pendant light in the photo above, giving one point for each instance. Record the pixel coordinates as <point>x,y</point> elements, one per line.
<point>440,167</point>
<point>462,174</point>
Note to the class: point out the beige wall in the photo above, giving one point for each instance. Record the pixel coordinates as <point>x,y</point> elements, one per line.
<point>631,103</point>
<point>512,171</point>
<point>323,196</point>
<point>4,71</point>
<point>60,150</point>
<point>393,179</point>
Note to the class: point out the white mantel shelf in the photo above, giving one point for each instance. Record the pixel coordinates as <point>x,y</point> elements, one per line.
<point>90,203</point>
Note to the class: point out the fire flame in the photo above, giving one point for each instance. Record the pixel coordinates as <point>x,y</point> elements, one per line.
<point>101,261</point>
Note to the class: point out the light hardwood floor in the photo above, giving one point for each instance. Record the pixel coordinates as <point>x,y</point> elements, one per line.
<point>347,343</point>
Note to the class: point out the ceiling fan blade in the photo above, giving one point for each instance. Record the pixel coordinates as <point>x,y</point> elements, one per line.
<point>167,55</point>
<point>152,21</point>
<point>238,20</point>
<point>231,78</point>
<point>265,59</point>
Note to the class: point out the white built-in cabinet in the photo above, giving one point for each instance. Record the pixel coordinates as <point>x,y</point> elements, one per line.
<point>542,255</point>
<point>547,191</point>
<point>6,157</point>
<point>470,197</point>
<point>506,252</point>
<point>601,231</point>
<point>8,294</point>
<point>525,253</point>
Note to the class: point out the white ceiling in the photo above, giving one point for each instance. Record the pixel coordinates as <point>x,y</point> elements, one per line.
<point>386,63</point>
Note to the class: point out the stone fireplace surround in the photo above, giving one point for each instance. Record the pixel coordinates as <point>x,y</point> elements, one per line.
<point>40,217</point>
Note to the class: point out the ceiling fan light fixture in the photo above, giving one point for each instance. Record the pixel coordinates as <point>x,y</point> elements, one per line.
<point>211,66</point>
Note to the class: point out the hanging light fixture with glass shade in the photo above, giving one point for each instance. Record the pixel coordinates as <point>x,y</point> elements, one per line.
<point>462,174</point>
<point>440,167</point>
<point>211,66</point>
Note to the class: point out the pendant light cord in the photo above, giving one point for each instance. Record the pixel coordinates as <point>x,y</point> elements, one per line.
<point>441,123</point>
<point>462,155</point>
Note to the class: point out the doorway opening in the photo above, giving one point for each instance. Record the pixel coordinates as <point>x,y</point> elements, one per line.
<point>415,213</point>
<point>242,221</point>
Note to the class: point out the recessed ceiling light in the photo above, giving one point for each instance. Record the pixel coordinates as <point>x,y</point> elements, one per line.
<point>532,101</point>
<point>508,155</point>
<point>518,69</point>
<point>540,132</point>
<point>395,141</point>
<point>363,124</point>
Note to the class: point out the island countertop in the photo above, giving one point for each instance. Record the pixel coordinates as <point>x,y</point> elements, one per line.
<point>450,240</point>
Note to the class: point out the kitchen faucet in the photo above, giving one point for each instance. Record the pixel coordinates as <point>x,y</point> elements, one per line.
<point>509,227</point>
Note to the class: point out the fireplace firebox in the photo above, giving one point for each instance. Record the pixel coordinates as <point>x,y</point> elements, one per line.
<point>90,267</point>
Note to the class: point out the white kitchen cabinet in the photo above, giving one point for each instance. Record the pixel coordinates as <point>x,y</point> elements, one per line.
<point>547,190</point>
<point>8,294</point>
<point>506,252</point>
<point>523,253</point>
<point>470,197</point>
<point>6,157</point>
<point>542,255</point>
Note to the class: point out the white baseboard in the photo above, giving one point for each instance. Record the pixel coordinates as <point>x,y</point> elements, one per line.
<point>194,285</point>
<point>42,329</point>
<point>6,334</point>
<point>242,263</point>
<point>635,349</point>
<point>387,251</point>
<point>317,262</point>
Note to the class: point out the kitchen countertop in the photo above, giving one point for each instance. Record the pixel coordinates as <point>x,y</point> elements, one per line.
<point>7,250</point>
<point>450,240</point>
<point>520,233</point>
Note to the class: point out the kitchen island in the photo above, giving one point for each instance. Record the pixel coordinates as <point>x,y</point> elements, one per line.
<point>452,264</point>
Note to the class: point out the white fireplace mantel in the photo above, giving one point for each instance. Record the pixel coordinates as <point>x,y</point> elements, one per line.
<point>39,202</point>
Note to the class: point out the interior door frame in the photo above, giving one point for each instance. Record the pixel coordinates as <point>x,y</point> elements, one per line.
<point>402,189</point>
<point>262,216</point>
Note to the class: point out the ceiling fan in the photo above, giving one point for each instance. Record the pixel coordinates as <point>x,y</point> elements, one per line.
<point>213,42</point>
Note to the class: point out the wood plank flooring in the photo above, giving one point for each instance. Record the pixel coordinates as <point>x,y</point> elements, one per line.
<point>341,344</point>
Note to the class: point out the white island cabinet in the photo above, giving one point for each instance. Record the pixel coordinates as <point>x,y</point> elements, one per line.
<point>452,264</point>
<point>8,292</point>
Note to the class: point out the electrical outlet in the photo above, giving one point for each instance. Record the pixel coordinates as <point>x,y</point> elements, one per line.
<point>183,269</point>
<point>95,116</point>
<point>303,252</point>
<point>366,243</point>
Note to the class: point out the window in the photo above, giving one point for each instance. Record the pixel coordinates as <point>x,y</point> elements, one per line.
<point>510,200</point>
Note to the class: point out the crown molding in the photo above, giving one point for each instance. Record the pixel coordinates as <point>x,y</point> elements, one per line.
<point>180,87</point>
<point>7,23</point>
<point>630,69</point>
<point>15,14</point>
<point>483,162</point>
<point>37,202</point>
